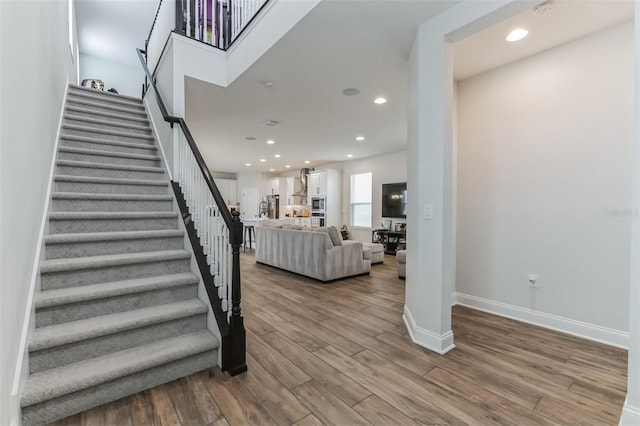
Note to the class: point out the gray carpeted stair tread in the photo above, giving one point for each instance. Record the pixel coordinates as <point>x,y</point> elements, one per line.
<point>90,328</point>
<point>111,107</point>
<point>73,88</point>
<point>70,295</point>
<point>111,98</point>
<point>59,381</point>
<point>118,309</point>
<point>88,139</point>
<point>127,117</point>
<point>111,215</point>
<point>90,129</point>
<point>94,262</point>
<point>111,236</point>
<point>113,181</point>
<point>123,167</point>
<point>109,197</point>
<point>108,153</point>
<point>90,120</point>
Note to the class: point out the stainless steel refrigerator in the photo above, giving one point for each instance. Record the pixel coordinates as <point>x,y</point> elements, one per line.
<point>273,203</point>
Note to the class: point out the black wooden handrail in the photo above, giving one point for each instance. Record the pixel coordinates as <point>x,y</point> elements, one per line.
<point>232,330</point>
<point>155,18</point>
<point>226,214</point>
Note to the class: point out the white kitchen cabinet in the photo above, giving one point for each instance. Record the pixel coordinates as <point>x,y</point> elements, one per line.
<point>273,186</point>
<point>327,183</point>
<point>317,183</point>
<point>313,184</point>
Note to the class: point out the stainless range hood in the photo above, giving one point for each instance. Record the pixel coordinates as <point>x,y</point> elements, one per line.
<point>303,184</point>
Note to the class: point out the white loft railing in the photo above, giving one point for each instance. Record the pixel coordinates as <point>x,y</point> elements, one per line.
<point>163,24</point>
<point>215,22</point>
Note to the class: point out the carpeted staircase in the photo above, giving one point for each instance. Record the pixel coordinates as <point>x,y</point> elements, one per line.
<point>118,310</point>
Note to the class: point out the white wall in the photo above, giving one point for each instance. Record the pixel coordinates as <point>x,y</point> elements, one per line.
<point>387,168</point>
<point>35,67</point>
<point>126,79</point>
<point>251,180</point>
<point>544,181</point>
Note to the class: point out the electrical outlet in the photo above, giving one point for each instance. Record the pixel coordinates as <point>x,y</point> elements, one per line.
<point>533,280</point>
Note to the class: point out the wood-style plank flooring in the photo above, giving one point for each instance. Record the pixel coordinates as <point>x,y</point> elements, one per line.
<point>339,354</point>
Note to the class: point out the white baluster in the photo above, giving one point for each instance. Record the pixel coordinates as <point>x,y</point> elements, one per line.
<point>205,21</point>
<point>188,17</point>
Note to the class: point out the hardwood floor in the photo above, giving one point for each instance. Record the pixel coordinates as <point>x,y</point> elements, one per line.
<point>339,354</point>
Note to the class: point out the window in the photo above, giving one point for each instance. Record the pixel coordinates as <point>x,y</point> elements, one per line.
<point>361,200</point>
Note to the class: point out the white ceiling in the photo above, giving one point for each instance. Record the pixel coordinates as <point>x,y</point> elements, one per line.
<point>113,29</point>
<point>339,44</point>
<point>567,20</point>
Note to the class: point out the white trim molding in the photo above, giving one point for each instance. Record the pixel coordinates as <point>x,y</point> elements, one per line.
<point>630,415</point>
<point>21,372</point>
<point>440,344</point>
<point>585,330</point>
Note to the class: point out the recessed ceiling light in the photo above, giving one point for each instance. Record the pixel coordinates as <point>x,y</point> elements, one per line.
<point>271,123</point>
<point>349,155</point>
<point>277,155</point>
<point>287,166</point>
<point>359,138</point>
<point>262,160</point>
<point>350,91</point>
<point>247,164</point>
<point>269,84</point>
<point>272,170</point>
<point>271,141</point>
<point>379,101</point>
<point>306,161</point>
<point>250,138</point>
<point>517,34</point>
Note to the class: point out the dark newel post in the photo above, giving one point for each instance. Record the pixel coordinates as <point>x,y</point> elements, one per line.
<point>237,362</point>
<point>227,26</point>
<point>180,28</point>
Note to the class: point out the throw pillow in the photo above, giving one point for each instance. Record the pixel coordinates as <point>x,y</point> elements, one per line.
<point>334,234</point>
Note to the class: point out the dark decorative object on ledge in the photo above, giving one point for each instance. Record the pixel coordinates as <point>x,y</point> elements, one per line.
<point>344,232</point>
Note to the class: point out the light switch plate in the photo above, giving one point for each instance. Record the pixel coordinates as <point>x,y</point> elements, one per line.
<point>428,212</point>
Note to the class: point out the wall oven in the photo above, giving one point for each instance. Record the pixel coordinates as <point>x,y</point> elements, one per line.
<point>317,204</point>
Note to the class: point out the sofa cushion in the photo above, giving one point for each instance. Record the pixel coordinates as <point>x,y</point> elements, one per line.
<point>271,224</point>
<point>292,226</point>
<point>333,232</point>
<point>335,236</point>
<point>366,253</point>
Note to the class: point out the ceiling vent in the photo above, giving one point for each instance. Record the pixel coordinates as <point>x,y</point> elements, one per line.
<point>543,7</point>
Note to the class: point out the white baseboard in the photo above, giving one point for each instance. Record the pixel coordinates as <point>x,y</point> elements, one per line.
<point>585,330</point>
<point>440,344</point>
<point>630,415</point>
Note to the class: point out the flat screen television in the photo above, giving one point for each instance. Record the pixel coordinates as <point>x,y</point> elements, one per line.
<point>394,199</point>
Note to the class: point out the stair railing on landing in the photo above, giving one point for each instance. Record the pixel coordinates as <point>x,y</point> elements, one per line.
<point>215,22</point>
<point>215,233</point>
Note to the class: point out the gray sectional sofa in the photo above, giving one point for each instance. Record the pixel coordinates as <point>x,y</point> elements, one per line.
<point>309,253</point>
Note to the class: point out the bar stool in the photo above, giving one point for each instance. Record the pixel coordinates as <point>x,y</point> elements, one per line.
<point>248,230</point>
